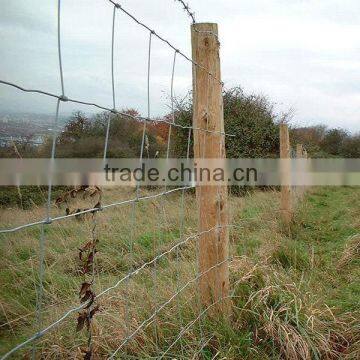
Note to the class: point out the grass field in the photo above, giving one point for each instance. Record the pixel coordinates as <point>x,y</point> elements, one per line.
<point>296,294</point>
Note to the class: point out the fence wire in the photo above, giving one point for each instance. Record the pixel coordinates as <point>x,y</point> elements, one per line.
<point>128,276</point>
<point>187,9</point>
<point>175,248</point>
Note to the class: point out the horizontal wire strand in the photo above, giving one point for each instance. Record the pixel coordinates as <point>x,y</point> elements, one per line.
<point>49,220</point>
<point>148,320</point>
<point>41,333</point>
<point>124,202</point>
<point>114,111</point>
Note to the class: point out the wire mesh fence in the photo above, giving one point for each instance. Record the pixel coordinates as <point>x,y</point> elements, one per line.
<point>168,255</point>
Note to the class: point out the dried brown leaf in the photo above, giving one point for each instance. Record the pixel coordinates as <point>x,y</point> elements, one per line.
<point>94,311</point>
<point>82,318</point>
<point>88,295</point>
<point>59,201</point>
<point>85,286</point>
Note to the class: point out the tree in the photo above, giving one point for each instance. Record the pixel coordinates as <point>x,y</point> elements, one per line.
<point>350,147</point>
<point>311,137</point>
<point>84,137</point>
<point>333,141</point>
<point>250,118</point>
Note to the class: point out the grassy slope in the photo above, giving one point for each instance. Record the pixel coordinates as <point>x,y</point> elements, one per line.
<point>282,282</point>
<point>308,260</point>
<point>326,222</point>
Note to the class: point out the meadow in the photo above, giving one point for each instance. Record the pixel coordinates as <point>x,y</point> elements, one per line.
<point>295,292</point>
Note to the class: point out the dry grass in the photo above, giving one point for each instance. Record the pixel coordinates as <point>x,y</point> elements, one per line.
<point>351,252</point>
<point>277,310</point>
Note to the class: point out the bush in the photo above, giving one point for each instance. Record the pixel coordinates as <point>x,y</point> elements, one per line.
<point>25,197</point>
<point>250,118</point>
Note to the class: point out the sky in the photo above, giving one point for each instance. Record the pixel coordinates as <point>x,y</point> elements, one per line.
<point>302,54</point>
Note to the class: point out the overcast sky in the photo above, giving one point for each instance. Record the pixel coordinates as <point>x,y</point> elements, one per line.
<point>302,54</point>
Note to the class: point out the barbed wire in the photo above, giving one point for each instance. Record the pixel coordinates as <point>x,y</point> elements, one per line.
<point>161,38</point>
<point>187,9</point>
<point>113,111</point>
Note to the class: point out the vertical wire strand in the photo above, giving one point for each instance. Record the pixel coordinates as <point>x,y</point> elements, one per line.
<point>148,111</point>
<point>112,57</point>
<point>52,160</point>
<point>148,75</point>
<point>48,220</point>
<point>181,213</point>
<point>182,231</point>
<point>131,253</point>
<point>172,105</point>
<point>168,147</point>
<point>155,279</point>
<point>94,239</point>
<point>48,203</point>
<point>107,133</point>
<point>59,47</point>
<point>141,158</point>
<point>170,128</point>
<point>40,288</point>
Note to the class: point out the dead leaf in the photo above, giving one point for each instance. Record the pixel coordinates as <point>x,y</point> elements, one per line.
<point>88,295</point>
<point>85,286</point>
<point>59,201</point>
<point>82,317</point>
<point>94,311</point>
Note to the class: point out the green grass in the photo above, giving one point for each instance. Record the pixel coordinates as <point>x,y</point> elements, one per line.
<point>291,298</point>
<point>324,224</point>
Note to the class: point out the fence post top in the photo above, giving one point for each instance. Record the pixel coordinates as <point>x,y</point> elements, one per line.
<point>205,26</point>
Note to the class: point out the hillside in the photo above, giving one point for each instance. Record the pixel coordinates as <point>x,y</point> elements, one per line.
<point>295,295</point>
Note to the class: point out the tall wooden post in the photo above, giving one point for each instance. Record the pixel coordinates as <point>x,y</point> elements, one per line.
<point>211,199</point>
<point>286,200</point>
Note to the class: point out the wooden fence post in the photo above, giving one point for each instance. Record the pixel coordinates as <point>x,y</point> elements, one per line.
<point>208,114</point>
<point>286,200</point>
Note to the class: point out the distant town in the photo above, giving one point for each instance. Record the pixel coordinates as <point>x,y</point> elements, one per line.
<point>26,127</point>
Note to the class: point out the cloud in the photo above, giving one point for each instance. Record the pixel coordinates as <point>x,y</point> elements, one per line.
<point>301,53</point>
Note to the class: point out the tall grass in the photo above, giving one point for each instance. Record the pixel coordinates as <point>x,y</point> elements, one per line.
<point>289,299</point>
